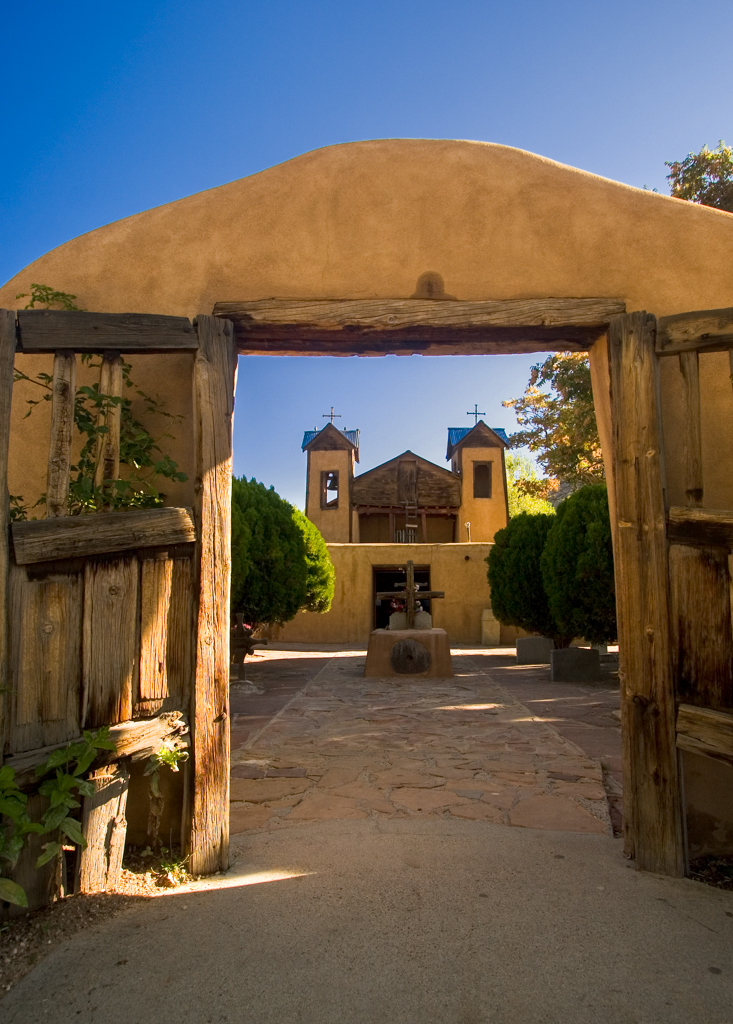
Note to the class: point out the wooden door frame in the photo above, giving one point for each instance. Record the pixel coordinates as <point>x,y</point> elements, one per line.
<point>624,351</point>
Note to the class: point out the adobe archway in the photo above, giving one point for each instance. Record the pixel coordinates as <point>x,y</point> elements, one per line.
<point>531,245</point>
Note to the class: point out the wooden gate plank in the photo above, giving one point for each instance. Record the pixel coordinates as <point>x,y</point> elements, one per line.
<point>111,640</point>
<point>652,825</point>
<point>700,618</point>
<point>155,598</point>
<point>214,382</point>
<point>7,361</point>
<point>62,428</point>
<point>45,659</point>
<point>181,649</point>
<point>108,445</point>
<point>692,441</point>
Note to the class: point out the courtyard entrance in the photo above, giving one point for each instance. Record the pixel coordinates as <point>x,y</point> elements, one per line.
<point>497,743</point>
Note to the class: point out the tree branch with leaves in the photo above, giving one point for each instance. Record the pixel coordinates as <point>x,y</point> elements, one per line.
<point>558,423</point>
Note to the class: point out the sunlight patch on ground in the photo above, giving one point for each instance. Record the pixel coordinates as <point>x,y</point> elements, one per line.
<point>235,879</point>
<point>470,707</point>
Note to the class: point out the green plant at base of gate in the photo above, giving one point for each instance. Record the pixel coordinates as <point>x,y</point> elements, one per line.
<point>16,826</point>
<point>69,764</point>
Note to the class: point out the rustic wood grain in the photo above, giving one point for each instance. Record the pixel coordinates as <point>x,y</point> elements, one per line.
<point>434,486</point>
<point>44,668</point>
<point>600,376</point>
<point>155,597</point>
<point>214,382</point>
<point>652,825</point>
<point>706,526</point>
<point>79,536</point>
<point>692,439</point>
<point>99,865</point>
<point>134,739</point>
<point>700,617</point>
<point>111,640</point>
<point>705,731</point>
<point>108,444</point>
<point>62,428</point>
<point>705,330</point>
<point>7,362</point>
<point>181,649</point>
<point>375,326</point>
<point>48,330</point>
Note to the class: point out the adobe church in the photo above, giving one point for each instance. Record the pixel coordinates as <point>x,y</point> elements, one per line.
<point>444,520</point>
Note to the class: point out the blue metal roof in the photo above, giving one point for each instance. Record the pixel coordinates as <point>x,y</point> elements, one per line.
<point>350,435</point>
<point>456,435</point>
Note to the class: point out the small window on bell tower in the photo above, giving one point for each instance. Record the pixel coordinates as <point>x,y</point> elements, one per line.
<point>482,479</point>
<point>330,489</point>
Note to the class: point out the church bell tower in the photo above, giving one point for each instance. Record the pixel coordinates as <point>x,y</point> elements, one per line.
<point>332,454</point>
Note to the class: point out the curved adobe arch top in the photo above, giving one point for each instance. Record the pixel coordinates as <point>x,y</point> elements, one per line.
<point>387,219</point>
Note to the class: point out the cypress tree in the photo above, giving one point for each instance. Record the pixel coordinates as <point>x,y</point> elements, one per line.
<point>577,566</point>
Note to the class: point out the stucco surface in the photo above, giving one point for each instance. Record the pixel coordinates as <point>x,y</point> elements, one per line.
<point>366,219</point>
<point>458,569</point>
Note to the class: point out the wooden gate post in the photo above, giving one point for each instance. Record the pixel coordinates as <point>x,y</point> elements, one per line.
<point>7,363</point>
<point>215,373</point>
<point>652,806</point>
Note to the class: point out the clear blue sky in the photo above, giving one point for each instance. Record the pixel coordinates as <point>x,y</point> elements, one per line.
<point>110,109</point>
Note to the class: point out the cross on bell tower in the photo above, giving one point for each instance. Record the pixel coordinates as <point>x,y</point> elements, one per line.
<point>475,413</point>
<point>332,416</point>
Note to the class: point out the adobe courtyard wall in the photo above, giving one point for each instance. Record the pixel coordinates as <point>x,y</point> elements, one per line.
<point>458,569</point>
<point>368,219</point>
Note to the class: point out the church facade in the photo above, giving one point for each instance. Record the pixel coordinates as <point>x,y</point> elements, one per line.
<point>443,519</point>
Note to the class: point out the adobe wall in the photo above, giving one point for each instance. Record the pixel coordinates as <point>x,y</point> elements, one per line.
<point>458,569</point>
<point>367,219</point>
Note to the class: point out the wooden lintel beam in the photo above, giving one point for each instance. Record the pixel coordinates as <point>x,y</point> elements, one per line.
<point>705,526</point>
<point>705,731</point>
<point>46,540</point>
<point>706,330</point>
<point>51,330</point>
<point>374,327</point>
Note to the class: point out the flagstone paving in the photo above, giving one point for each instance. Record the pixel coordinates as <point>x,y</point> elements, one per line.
<point>347,747</point>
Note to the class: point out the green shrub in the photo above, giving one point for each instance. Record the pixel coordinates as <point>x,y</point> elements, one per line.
<point>280,562</point>
<point>517,593</point>
<point>269,558</point>
<point>321,574</point>
<point>577,567</point>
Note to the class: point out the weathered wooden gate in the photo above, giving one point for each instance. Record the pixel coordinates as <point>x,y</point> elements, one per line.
<point>673,591</point>
<point>121,619</point>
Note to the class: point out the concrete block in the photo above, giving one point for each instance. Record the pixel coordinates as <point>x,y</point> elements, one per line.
<point>408,654</point>
<point>575,665</point>
<point>534,650</point>
<point>490,629</point>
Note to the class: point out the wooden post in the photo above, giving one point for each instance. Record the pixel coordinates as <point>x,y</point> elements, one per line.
<point>652,812</point>
<point>104,827</point>
<point>690,370</point>
<point>7,359</point>
<point>62,426</point>
<point>215,372</point>
<point>108,445</point>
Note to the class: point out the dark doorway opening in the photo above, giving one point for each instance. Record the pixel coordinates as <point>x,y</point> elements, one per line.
<point>394,577</point>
